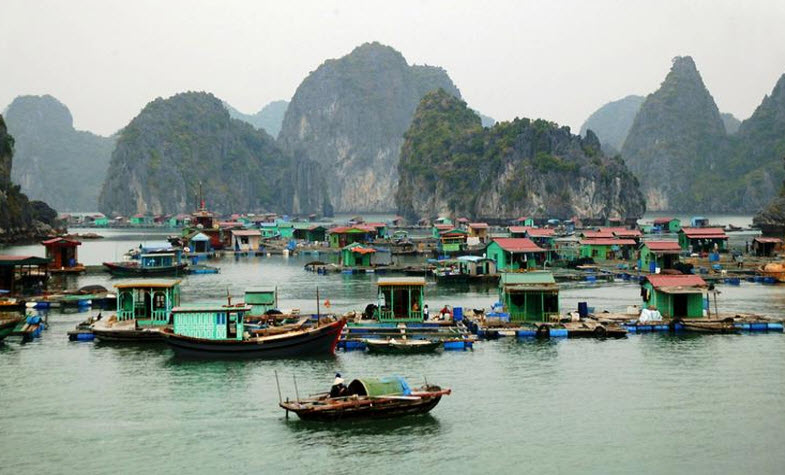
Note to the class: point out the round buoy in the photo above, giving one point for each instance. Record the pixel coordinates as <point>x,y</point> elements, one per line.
<point>600,331</point>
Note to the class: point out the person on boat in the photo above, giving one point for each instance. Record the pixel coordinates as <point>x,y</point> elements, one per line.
<point>445,312</point>
<point>338,389</point>
<point>415,307</point>
<point>425,312</point>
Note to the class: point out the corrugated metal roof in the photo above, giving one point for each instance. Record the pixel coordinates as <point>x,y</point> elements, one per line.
<point>536,277</point>
<point>148,284</point>
<point>608,242</point>
<point>478,225</point>
<point>664,220</point>
<point>246,232</point>
<point>685,280</point>
<point>401,281</point>
<point>768,240</point>
<point>707,233</point>
<point>659,246</point>
<point>8,260</point>
<point>73,242</point>
<point>518,245</point>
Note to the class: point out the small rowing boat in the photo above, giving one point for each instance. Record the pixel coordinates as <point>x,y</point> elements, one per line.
<point>369,399</point>
<point>393,346</point>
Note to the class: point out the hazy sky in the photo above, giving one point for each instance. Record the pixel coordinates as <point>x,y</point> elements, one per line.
<point>558,60</point>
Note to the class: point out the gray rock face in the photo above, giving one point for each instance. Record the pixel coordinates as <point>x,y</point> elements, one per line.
<point>175,144</point>
<point>350,116</point>
<point>677,141</point>
<point>268,119</point>
<point>731,123</point>
<point>53,161</point>
<point>611,122</point>
<point>451,165</point>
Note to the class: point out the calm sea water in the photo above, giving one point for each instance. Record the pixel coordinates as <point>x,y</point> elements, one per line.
<point>646,403</point>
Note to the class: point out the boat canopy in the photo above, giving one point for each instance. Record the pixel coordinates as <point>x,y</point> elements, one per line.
<point>375,387</point>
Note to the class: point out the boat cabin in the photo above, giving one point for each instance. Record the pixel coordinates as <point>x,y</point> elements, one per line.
<point>703,240</point>
<point>699,222</point>
<point>529,296</point>
<point>62,253</point>
<point>659,255</point>
<point>246,239</point>
<point>357,255</point>
<point>511,254</point>
<point>214,322</point>
<point>675,295</point>
<point>149,302</point>
<point>400,299</point>
<point>766,246</point>
<point>23,274</point>
<point>476,265</point>
<point>199,243</point>
<point>261,299</point>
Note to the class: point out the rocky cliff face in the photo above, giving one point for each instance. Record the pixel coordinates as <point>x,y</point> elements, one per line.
<point>451,165</point>
<point>20,218</point>
<point>676,141</point>
<point>731,123</point>
<point>268,119</point>
<point>51,156</point>
<point>611,122</point>
<point>350,116</point>
<point>175,144</point>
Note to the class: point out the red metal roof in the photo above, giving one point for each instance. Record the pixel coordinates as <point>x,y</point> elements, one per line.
<point>463,220</point>
<point>768,240</point>
<point>363,250</point>
<point>61,240</point>
<point>518,229</point>
<point>522,219</point>
<point>685,280</point>
<point>662,220</point>
<point>442,227</point>
<point>589,234</point>
<point>706,233</point>
<point>478,225</point>
<point>541,232</point>
<point>622,232</point>
<point>608,242</point>
<point>658,246</point>
<point>348,229</point>
<point>246,232</point>
<point>518,245</point>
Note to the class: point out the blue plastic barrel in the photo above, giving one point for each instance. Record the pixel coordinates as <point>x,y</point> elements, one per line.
<point>652,267</point>
<point>457,313</point>
<point>558,332</point>
<point>583,309</point>
<point>775,327</point>
<point>526,333</point>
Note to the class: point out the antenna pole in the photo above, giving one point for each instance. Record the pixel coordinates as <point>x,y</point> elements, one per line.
<point>296,392</point>
<point>278,385</point>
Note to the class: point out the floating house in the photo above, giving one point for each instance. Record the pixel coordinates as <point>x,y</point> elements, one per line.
<point>310,232</point>
<point>766,246</point>
<point>23,274</point>
<point>478,231</point>
<point>62,253</point>
<point>141,220</point>
<point>699,222</point>
<point>703,239</point>
<point>199,243</point>
<point>179,220</point>
<point>443,220</point>
<point>452,241</point>
<point>476,265</point>
<point>261,299</point>
<point>269,230</point>
<point>529,296</point>
<point>285,229</point>
<point>400,299</point>
<point>357,255</point>
<point>525,221</point>
<point>675,296</point>
<point>379,229</point>
<point>624,233</point>
<point>246,239</point>
<point>342,236</point>
<point>438,229</point>
<point>668,225</point>
<point>608,248</point>
<point>517,231</point>
<point>212,322</point>
<point>543,237</point>
<point>659,254</point>
<point>511,254</point>
<point>595,234</point>
<point>149,302</point>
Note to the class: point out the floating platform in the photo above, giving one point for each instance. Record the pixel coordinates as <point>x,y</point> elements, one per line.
<point>454,336</point>
<point>493,327</point>
<point>735,323</point>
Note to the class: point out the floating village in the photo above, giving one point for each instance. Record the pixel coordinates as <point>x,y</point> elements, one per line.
<point>679,267</point>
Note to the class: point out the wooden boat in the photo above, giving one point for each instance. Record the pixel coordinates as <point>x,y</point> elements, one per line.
<point>706,326</point>
<point>8,323</point>
<point>137,269</point>
<point>10,304</point>
<point>369,399</point>
<point>219,332</point>
<point>112,330</point>
<point>775,270</point>
<point>393,346</point>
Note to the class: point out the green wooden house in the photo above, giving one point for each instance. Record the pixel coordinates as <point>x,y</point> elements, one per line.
<point>659,254</point>
<point>342,236</point>
<point>443,220</point>
<point>400,299</point>
<point>675,296</point>
<point>261,299</point>
<point>605,249</point>
<point>668,225</point>
<point>100,221</point>
<point>513,254</point>
<point>438,229</point>
<point>529,296</point>
<point>310,232</point>
<point>703,239</point>
<point>452,241</point>
<point>212,322</point>
<point>141,220</point>
<point>525,221</point>
<point>357,255</point>
<point>269,230</point>
<point>149,302</point>
<point>286,229</point>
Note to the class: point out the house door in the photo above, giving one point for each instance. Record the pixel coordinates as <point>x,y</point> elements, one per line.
<point>680,305</point>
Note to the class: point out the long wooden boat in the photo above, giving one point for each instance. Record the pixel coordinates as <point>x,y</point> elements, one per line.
<point>408,346</point>
<point>125,331</point>
<point>775,270</point>
<point>368,399</point>
<point>134,269</point>
<point>226,337</point>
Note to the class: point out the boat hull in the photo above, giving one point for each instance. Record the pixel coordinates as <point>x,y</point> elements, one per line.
<point>7,326</point>
<point>311,342</point>
<point>123,335</point>
<point>401,349</point>
<point>122,270</point>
